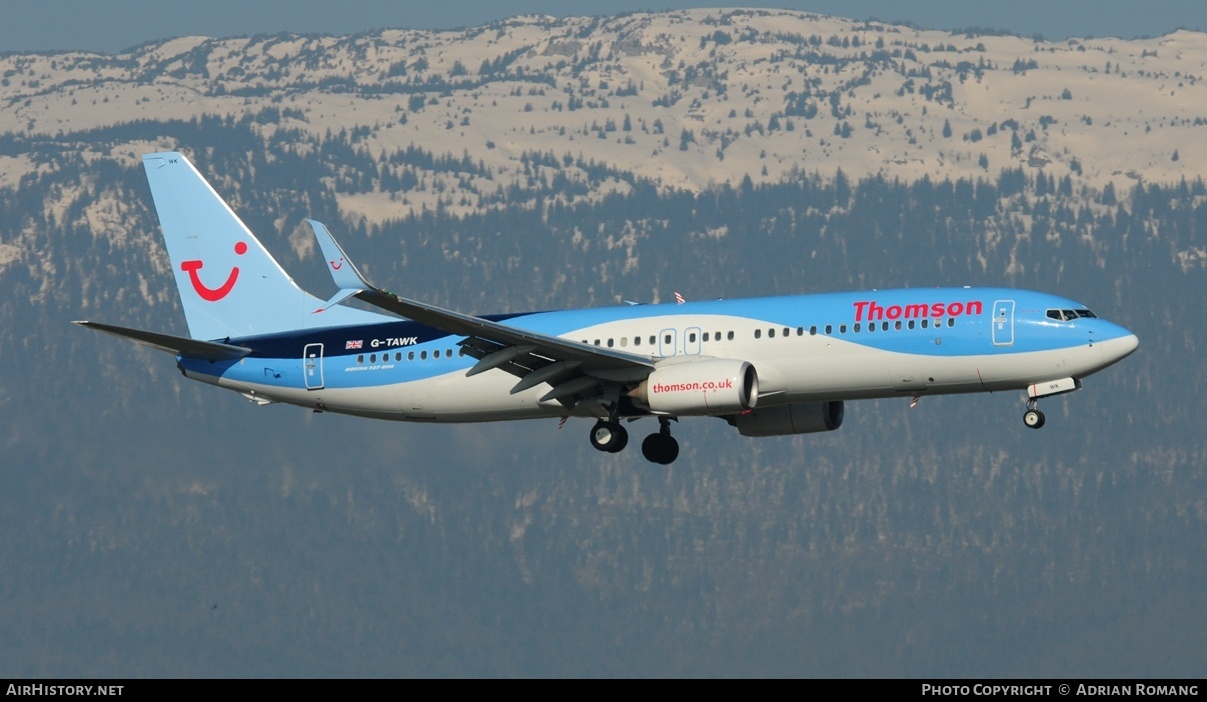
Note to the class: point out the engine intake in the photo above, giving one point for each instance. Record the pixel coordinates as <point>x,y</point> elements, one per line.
<point>794,418</point>
<point>712,387</point>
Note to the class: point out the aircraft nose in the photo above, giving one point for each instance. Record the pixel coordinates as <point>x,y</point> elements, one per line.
<point>1120,348</point>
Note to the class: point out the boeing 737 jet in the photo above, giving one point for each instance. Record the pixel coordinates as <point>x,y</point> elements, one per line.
<point>767,366</point>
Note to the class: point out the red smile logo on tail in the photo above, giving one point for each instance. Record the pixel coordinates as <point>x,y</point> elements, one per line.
<point>207,293</point>
<point>336,266</point>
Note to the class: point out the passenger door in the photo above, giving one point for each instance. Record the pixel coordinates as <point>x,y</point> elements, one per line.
<point>312,366</point>
<point>1003,323</point>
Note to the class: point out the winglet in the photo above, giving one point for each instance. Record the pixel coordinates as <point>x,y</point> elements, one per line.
<point>341,268</point>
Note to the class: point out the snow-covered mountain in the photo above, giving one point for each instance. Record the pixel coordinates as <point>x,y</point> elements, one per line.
<point>686,98</point>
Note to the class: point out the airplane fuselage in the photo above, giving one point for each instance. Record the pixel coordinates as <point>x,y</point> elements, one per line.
<point>805,348</point>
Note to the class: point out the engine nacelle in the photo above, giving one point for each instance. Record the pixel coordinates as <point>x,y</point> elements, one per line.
<point>710,387</point>
<point>794,418</point>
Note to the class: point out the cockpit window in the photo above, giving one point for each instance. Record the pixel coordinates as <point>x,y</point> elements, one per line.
<point>1070,315</point>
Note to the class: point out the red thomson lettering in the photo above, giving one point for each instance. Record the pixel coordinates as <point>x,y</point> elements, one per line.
<point>725,384</point>
<point>859,310</point>
<point>874,312</point>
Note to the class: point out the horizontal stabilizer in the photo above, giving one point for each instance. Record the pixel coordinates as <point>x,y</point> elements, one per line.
<point>193,348</point>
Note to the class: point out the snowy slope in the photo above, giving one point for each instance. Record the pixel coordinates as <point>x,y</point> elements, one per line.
<point>688,98</point>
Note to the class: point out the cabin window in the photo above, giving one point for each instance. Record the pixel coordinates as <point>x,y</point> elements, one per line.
<point>829,329</point>
<point>652,340</point>
<point>624,341</point>
<point>925,323</point>
<point>410,355</point>
<point>372,358</point>
<point>884,326</point>
<point>360,358</point>
<point>423,355</point>
<point>911,324</point>
<point>637,341</point>
<point>758,333</point>
<point>771,333</point>
<point>813,330</point>
<point>897,325</point>
<point>856,327</point>
<point>729,336</point>
<point>667,339</point>
<point>691,338</point>
<point>842,329</point>
<point>871,326</point>
<point>800,331</point>
<point>786,331</point>
<point>436,353</point>
<point>705,336</point>
<point>951,321</point>
<point>609,343</point>
<point>597,342</point>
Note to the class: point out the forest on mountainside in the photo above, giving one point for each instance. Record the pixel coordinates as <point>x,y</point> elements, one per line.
<point>159,527</point>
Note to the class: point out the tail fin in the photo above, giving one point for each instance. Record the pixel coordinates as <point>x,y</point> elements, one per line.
<point>230,286</point>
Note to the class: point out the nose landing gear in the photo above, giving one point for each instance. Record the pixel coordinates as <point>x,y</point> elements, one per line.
<point>1033,418</point>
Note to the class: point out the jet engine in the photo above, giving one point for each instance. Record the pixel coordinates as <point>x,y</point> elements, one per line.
<point>794,418</point>
<point>708,387</point>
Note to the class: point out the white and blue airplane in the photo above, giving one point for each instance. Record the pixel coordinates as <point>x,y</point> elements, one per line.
<point>768,366</point>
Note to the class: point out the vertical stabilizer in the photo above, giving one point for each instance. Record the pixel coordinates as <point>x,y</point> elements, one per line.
<point>230,286</point>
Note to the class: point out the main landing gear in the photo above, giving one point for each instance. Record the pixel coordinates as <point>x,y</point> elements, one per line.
<point>1033,418</point>
<point>661,447</point>
<point>608,436</point>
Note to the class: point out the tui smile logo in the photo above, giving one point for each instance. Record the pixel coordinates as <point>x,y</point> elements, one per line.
<point>336,266</point>
<point>207,293</point>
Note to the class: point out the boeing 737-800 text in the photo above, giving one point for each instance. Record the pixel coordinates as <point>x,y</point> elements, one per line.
<point>768,366</point>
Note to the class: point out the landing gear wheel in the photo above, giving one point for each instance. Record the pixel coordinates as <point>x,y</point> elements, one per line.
<point>609,437</point>
<point>1033,418</point>
<point>660,448</point>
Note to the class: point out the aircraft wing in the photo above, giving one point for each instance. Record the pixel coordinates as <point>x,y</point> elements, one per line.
<point>533,357</point>
<point>193,348</point>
